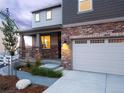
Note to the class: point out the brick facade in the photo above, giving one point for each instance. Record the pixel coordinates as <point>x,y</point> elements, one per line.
<point>91,31</point>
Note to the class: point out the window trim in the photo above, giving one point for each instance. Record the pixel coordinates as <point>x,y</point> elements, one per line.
<point>35,17</point>
<point>46,15</point>
<point>85,11</point>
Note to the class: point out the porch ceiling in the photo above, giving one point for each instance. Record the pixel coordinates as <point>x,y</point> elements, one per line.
<point>47,29</point>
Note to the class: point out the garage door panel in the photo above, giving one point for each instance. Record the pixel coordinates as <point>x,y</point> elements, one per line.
<point>99,59</point>
<point>105,57</point>
<point>100,56</point>
<point>101,70</point>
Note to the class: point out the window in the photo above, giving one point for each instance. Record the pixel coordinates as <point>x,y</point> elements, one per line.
<point>97,41</point>
<point>45,40</point>
<point>119,40</point>
<point>84,41</point>
<point>49,15</point>
<point>37,17</point>
<point>85,5</point>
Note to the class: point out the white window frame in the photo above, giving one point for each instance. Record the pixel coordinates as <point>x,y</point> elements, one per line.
<point>80,11</point>
<point>37,17</point>
<point>48,18</point>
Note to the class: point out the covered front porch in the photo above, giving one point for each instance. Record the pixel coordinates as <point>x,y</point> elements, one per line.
<point>47,42</point>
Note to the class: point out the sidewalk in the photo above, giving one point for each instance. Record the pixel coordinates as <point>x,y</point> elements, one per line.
<point>46,81</point>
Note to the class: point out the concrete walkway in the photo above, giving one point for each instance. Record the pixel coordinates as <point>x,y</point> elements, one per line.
<point>86,82</point>
<point>40,80</point>
<point>37,79</point>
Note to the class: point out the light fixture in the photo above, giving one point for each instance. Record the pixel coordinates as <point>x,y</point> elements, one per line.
<point>65,45</point>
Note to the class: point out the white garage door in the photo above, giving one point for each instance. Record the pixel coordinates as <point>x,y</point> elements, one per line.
<point>99,55</point>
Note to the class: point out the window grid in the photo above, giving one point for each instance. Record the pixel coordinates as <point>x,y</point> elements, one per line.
<point>80,41</point>
<point>37,17</point>
<point>119,40</point>
<point>49,15</point>
<point>85,5</point>
<point>97,41</point>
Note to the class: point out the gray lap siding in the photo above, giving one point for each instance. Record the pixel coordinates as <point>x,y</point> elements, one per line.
<point>102,9</point>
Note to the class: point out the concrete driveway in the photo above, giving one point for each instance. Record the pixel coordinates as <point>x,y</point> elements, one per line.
<point>87,82</point>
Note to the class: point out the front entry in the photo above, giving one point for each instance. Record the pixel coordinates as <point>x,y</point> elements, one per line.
<point>50,45</point>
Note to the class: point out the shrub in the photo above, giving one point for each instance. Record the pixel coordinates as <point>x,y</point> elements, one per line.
<point>46,72</point>
<point>38,63</point>
<point>38,71</point>
<point>28,64</point>
<point>52,73</point>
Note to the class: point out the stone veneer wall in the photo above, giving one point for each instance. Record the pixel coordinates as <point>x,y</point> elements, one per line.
<point>50,53</point>
<point>108,28</point>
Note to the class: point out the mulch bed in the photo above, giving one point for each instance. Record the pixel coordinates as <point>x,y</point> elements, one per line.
<point>26,69</point>
<point>7,85</point>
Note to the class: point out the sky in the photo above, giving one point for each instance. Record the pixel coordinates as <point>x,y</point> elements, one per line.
<point>21,9</point>
<point>21,12</point>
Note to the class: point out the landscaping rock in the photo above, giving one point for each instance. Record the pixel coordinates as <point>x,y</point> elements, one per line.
<point>22,84</point>
<point>7,85</point>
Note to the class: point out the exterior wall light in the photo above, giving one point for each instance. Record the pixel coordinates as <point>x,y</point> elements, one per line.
<point>65,45</point>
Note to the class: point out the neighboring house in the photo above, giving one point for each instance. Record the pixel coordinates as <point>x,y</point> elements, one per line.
<point>87,35</point>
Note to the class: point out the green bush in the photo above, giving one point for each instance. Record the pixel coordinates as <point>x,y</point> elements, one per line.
<point>38,63</point>
<point>28,64</point>
<point>38,71</point>
<point>46,72</point>
<point>52,73</point>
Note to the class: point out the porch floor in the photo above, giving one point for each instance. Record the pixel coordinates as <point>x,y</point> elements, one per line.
<point>44,61</point>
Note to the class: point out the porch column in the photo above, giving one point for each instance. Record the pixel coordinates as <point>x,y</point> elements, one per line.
<point>37,51</point>
<point>37,40</point>
<point>22,42</point>
<point>22,47</point>
<point>33,41</point>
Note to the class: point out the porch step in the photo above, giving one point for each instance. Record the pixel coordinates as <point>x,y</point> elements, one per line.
<point>51,61</point>
<point>50,66</point>
<point>59,69</point>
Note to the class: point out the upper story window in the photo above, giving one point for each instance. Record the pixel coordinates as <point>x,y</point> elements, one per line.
<point>37,17</point>
<point>49,15</point>
<point>84,5</point>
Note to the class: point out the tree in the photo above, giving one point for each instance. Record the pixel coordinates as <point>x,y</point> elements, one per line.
<point>9,29</point>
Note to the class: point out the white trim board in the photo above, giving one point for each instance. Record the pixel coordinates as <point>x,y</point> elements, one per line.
<point>95,22</point>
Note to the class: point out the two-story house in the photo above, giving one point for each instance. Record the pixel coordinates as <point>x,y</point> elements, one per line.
<point>86,34</point>
<point>46,31</point>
